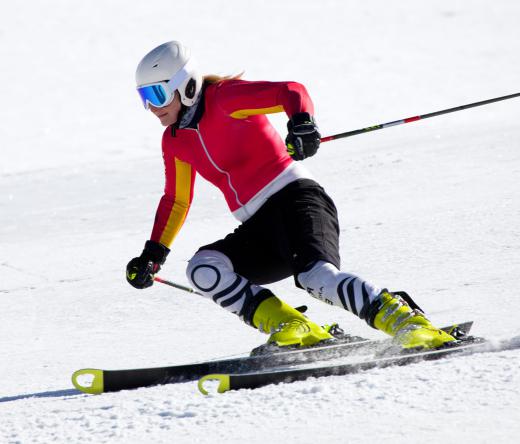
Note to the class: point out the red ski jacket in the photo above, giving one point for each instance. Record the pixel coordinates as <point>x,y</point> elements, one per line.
<point>234,147</point>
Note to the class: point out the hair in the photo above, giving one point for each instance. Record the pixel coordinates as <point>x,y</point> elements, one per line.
<point>215,78</point>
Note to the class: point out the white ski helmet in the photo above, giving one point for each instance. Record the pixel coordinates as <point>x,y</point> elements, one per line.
<point>171,65</point>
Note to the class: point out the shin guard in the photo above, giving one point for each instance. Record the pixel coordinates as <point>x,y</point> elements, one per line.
<point>328,284</point>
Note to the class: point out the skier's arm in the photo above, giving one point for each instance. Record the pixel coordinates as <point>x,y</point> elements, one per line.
<point>171,213</point>
<point>241,99</point>
<point>175,202</point>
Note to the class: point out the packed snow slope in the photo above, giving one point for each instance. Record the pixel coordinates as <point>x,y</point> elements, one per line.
<point>432,208</point>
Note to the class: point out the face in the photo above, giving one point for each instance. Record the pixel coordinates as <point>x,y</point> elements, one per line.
<point>168,114</point>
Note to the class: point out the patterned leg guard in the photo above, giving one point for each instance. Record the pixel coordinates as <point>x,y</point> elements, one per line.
<point>385,311</point>
<point>328,284</point>
<point>211,272</point>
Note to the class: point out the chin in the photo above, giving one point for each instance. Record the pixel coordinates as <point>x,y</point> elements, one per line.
<point>167,122</point>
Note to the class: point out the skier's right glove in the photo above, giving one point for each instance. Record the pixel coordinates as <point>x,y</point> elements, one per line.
<point>303,138</point>
<point>140,270</point>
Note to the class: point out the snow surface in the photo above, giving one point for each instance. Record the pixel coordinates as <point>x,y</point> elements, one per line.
<point>432,207</point>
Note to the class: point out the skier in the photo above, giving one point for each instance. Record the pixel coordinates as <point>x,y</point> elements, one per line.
<point>216,126</point>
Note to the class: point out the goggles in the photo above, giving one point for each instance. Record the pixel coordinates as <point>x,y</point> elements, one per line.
<point>161,94</point>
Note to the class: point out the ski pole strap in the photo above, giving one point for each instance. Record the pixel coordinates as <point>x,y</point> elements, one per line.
<point>415,118</point>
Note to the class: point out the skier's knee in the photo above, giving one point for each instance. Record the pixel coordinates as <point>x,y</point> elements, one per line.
<point>319,280</point>
<point>207,270</point>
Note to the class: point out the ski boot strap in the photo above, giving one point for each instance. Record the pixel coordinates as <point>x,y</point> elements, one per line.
<point>369,313</point>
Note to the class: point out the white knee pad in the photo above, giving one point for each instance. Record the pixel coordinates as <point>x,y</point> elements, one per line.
<point>320,281</point>
<point>211,273</point>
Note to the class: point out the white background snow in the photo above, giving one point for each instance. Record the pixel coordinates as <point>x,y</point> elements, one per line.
<point>432,207</point>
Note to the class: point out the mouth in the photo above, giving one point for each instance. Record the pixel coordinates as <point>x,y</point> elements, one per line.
<point>161,115</point>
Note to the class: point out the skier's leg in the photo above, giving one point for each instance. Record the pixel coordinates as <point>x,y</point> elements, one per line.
<point>212,274</point>
<point>328,284</point>
<point>381,309</point>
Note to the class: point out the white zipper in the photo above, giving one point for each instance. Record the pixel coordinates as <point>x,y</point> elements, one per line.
<point>217,167</point>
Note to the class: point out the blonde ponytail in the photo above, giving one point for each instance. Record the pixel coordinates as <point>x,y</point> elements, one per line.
<point>215,78</point>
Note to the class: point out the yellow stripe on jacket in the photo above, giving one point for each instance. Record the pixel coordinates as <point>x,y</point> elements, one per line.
<point>245,113</point>
<point>181,204</point>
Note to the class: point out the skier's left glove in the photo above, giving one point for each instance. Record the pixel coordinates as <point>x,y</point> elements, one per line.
<point>140,270</point>
<point>303,139</point>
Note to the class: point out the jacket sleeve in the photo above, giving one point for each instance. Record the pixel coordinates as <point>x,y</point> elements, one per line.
<point>176,200</point>
<point>241,99</point>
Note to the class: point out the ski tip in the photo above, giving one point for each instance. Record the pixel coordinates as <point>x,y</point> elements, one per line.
<point>88,380</point>
<point>223,386</point>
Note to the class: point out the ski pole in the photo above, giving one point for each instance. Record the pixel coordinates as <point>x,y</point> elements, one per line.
<point>174,285</point>
<point>413,119</point>
<point>301,309</point>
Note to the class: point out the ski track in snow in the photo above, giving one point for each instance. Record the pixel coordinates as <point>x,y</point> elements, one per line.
<point>432,208</point>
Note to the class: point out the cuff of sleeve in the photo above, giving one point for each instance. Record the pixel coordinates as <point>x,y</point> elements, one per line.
<point>300,119</point>
<point>155,252</point>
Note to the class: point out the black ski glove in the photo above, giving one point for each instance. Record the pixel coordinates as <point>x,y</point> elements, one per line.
<point>140,270</point>
<point>303,139</point>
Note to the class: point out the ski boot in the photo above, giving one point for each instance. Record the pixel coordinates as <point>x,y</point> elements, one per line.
<point>392,314</point>
<point>287,326</point>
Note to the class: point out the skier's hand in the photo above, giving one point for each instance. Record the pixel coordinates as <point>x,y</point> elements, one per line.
<point>140,270</point>
<point>303,139</point>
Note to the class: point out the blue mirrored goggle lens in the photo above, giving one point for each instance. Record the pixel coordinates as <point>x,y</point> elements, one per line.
<point>157,95</point>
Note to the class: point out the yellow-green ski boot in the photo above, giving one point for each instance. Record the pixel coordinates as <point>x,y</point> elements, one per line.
<point>287,325</point>
<point>409,327</point>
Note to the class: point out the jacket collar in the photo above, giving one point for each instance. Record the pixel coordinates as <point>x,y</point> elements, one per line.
<point>190,115</point>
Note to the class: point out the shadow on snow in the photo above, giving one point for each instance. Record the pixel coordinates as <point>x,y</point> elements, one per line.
<point>51,394</point>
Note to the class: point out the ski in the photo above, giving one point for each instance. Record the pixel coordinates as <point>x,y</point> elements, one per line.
<point>96,381</point>
<point>252,380</point>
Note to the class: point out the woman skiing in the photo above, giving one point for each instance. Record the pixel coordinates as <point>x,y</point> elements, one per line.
<point>217,127</point>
